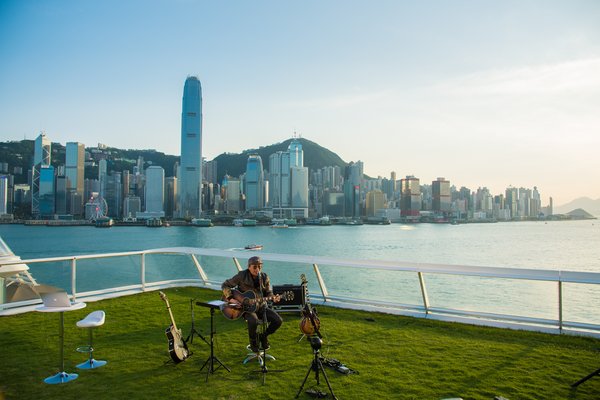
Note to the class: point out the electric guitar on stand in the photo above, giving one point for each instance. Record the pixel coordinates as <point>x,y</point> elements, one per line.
<point>177,348</point>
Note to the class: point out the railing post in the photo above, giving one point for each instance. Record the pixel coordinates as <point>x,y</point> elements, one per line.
<point>200,270</point>
<point>143,271</point>
<point>560,306</point>
<point>321,282</point>
<point>424,292</point>
<point>74,278</point>
<point>237,264</point>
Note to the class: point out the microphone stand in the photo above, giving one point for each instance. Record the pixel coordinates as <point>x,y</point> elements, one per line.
<point>263,329</point>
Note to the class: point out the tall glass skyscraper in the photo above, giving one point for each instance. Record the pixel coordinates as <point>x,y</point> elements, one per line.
<point>74,171</point>
<point>255,183</point>
<point>155,189</point>
<point>41,159</point>
<point>190,172</point>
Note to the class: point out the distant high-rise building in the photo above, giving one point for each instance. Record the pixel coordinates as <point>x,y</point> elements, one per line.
<point>170,196</point>
<point>60,195</point>
<point>102,174</point>
<point>512,201</point>
<point>74,171</point>
<point>353,179</point>
<point>190,172</point>
<point>114,195</point>
<point>47,192</point>
<point>155,189</point>
<point>42,150</point>
<point>288,182</point>
<point>41,158</point>
<point>374,202</point>
<point>255,183</point>
<point>209,171</point>
<point>410,197</point>
<point>299,191</point>
<point>3,194</point>
<point>279,180</point>
<point>442,201</point>
<point>232,194</point>
<point>131,206</point>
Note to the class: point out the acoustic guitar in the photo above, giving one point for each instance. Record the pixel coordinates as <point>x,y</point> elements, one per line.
<point>177,347</point>
<point>247,302</point>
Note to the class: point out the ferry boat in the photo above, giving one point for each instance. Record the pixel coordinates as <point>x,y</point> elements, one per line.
<point>154,222</point>
<point>348,221</point>
<point>244,222</point>
<point>253,246</point>
<point>203,222</point>
<point>104,222</point>
<point>323,221</point>
<point>279,223</point>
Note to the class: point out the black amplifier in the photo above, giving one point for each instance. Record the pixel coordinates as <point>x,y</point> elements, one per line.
<point>294,304</point>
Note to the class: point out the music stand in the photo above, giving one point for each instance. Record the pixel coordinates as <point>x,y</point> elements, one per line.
<point>193,330</point>
<point>210,362</point>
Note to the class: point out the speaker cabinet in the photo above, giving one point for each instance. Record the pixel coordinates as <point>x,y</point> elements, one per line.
<point>294,304</point>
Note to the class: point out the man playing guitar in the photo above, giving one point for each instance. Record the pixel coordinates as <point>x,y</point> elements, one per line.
<point>252,279</point>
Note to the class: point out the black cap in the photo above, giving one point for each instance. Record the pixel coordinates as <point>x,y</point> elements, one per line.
<point>254,260</point>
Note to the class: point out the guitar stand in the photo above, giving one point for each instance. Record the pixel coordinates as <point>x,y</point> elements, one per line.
<point>210,362</point>
<point>316,365</point>
<point>193,330</point>
<point>585,378</point>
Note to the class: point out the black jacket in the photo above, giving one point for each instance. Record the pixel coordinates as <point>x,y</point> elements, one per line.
<point>243,281</point>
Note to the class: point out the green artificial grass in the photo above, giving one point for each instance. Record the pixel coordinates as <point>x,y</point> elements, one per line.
<point>396,357</point>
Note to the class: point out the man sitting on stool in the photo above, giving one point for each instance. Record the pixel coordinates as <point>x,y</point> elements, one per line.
<point>258,282</point>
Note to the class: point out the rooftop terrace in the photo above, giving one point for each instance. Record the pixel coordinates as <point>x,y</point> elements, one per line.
<point>397,357</point>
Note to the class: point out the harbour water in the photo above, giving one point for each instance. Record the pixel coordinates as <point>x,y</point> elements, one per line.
<point>557,245</point>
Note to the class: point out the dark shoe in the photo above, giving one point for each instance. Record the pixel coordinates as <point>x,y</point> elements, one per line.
<point>264,342</point>
<point>254,346</point>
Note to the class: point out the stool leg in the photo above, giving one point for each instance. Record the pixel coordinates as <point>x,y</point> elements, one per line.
<point>91,363</point>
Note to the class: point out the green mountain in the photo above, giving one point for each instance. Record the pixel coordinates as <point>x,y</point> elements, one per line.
<point>20,154</point>
<point>315,157</point>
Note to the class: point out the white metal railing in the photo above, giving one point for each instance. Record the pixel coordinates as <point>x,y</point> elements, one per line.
<point>423,309</point>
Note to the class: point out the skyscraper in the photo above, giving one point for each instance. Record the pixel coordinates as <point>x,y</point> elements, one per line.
<point>190,172</point>
<point>74,170</point>
<point>41,159</point>
<point>288,182</point>
<point>255,183</point>
<point>410,198</point>
<point>155,189</point>
<point>441,195</point>
<point>353,179</point>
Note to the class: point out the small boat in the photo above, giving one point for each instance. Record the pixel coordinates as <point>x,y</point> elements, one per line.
<point>279,225</point>
<point>253,247</point>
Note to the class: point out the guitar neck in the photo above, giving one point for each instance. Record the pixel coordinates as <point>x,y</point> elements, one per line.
<point>171,314</point>
<point>266,298</point>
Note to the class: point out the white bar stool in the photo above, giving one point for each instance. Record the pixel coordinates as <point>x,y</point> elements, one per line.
<point>93,320</point>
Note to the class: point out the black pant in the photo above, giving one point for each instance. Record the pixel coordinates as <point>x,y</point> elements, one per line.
<point>254,318</point>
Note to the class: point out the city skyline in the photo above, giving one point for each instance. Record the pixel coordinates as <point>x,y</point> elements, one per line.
<point>493,95</point>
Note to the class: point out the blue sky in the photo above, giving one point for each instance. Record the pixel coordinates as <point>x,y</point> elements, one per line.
<point>483,93</point>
